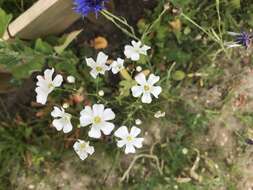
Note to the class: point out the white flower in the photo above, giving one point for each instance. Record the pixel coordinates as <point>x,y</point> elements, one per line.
<point>99,66</point>
<point>46,85</point>
<point>138,122</point>
<point>117,66</point>
<point>101,93</point>
<point>65,105</point>
<point>133,52</point>
<point>83,149</point>
<point>146,87</point>
<point>184,150</point>
<point>71,79</point>
<point>62,120</point>
<point>159,114</point>
<point>138,68</point>
<point>98,117</point>
<point>129,140</point>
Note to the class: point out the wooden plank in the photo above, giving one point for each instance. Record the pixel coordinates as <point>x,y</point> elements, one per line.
<point>43,18</point>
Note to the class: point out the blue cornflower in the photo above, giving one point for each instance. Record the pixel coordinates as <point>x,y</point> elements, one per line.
<point>84,7</point>
<point>244,39</point>
<point>241,39</point>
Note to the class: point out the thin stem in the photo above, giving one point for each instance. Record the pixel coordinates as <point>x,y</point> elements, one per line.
<point>114,19</point>
<point>198,26</point>
<point>150,27</point>
<point>124,21</point>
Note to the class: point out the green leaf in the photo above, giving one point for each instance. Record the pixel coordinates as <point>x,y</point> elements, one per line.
<point>236,4</point>
<point>43,47</point>
<point>69,38</point>
<point>66,63</point>
<point>4,22</point>
<point>24,70</point>
<point>125,87</point>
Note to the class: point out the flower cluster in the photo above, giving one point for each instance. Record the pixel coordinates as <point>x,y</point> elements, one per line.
<point>97,117</point>
<point>145,87</point>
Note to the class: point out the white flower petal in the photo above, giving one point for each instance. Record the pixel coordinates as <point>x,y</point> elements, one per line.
<point>121,132</point>
<point>107,128</point>
<point>138,142</point>
<point>135,131</point>
<point>85,120</point>
<point>98,109</point>
<point>86,116</point>
<point>57,81</point>
<point>103,69</point>
<point>153,79</point>
<point>129,50</point>
<point>67,127</point>
<point>156,90</point>
<point>86,111</point>
<point>41,81</point>
<point>57,112</point>
<point>137,91</point>
<point>135,56</point>
<point>48,74</point>
<point>94,73</point>
<point>145,48</point>
<point>94,132</point>
<point>136,44</point>
<point>102,58</point>
<point>90,150</point>
<point>121,143</point>
<point>108,114</point>
<point>146,98</point>
<point>129,149</point>
<point>115,70</point>
<point>42,98</point>
<point>83,155</point>
<point>58,124</point>
<point>90,62</point>
<point>140,79</point>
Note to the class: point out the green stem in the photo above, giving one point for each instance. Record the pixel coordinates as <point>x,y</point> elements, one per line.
<point>149,29</point>
<point>116,20</point>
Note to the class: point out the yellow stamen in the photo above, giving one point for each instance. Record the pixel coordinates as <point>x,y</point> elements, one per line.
<point>98,69</point>
<point>129,139</point>
<point>146,88</point>
<point>50,85</point>
<point>97,120</point>
<point>82,146</point>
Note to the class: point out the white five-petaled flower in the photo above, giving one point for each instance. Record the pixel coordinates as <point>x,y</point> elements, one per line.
<point>117,66</point>
<point>98,118</point>
<point>99,66</point>
<point>146,87</point>
<point>46,84</point>
<point>62,120</point>
<point>130,140</point>
<point>83,149</point>
<point>133,52</point>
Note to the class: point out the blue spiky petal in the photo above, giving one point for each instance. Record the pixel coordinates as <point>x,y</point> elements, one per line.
<point>84,7</point>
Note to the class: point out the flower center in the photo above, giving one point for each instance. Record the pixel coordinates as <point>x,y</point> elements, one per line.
<point>82,146</point>
<point>50,85</point>
<point>97,120</point>
<point>66,118</point>
<point>98,69</point>
<point>146,88</point>
<point>130,138</point>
